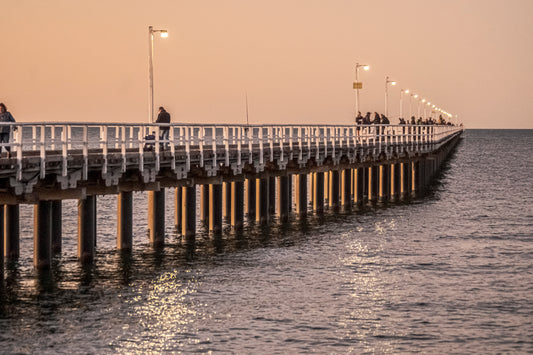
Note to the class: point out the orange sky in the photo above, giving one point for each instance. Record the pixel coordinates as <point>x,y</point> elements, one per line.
<point>88,60</point>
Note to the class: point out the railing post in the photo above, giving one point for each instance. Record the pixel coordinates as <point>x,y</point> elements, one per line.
<point>42,146</point>
<point>85,150</point>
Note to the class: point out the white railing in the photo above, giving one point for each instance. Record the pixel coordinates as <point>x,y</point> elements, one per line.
<point>65,139</point>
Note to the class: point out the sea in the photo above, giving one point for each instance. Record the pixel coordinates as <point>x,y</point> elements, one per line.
<point>449,272</point>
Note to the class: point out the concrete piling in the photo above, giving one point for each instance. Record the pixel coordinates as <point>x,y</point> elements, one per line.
<point>42,235</point>
<point>124,220</point>
<point>237,205</point>
<point>57,226</point>
<point>86,229</point>
<point>11,232</point>
<point>215,208</point>
<point>156,217</point>
<point>188,217</point>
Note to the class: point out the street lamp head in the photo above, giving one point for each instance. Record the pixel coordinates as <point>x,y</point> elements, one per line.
<point>164,34</point>
<point>429,103</point>
<point>423,100</point>
<point>393,83</point>
<point>406,91</point>
<point>366,67</point>
<point>415,96</point>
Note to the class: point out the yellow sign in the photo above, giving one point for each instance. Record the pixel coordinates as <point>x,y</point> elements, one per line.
<point>358,85</point>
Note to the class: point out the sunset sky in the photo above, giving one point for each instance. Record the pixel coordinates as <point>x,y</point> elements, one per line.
<point>294,59</point>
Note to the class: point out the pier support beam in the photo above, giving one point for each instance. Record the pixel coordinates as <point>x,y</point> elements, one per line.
<point>237,205</point>
<point>262,201</point>
<point>124,220</point>
<point>358,181</point>
<point>215,208</point>
<point>301,194</point>
<point>413,179</point>
<point>283,198</point>
<point>156,217</point>
<point>177,207</point>
<point>393,181</point>
<point>372,182</point>
<point>1,243</point>
<point>57,226</point>
<point>188,217</point>
<point>226,197</point>
<point>86,229</point>
<point>42,235</point>
<point>318,193</point>
<point>250,197</point>
<point>272,195</point>
<point>204,203</point>
<point>384,182</point>
<point>11,232</point>
<point>346,189</point>
<point>334,189</point>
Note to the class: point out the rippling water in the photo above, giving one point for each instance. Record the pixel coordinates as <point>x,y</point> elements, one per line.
<point>452,272</point>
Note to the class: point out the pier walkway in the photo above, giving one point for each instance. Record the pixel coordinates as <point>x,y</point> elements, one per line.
<point>254,171</point>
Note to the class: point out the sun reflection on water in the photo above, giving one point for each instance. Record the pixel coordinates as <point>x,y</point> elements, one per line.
<point>163,314</point>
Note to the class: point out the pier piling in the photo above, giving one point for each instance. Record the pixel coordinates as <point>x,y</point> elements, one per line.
<point>124,220</point>
<point>156,217</point>
<point>86,229</point>
<point>42,235</point>
<point>11,232</point>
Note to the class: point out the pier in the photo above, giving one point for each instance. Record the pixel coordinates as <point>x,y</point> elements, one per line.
<point>243,173</point>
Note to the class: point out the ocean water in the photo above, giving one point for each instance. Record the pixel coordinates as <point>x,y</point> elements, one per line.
<point>451,272</point>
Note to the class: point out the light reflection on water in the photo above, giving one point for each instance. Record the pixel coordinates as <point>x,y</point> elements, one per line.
<point>447,273</point>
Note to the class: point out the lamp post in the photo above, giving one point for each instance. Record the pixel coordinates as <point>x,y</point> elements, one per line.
<point>357,85</point>
<point>387,81</point>
<point>406,91</point>
<point>410,102</point>
<point>164,34</point>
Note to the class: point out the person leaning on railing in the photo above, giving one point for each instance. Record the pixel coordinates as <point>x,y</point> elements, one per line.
<point>5,131</point>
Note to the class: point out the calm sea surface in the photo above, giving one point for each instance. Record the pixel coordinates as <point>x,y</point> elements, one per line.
<point>449,273</point>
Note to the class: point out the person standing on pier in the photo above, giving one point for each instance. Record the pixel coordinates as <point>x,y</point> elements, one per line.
<point>164,117</point>
<point>5,131</point>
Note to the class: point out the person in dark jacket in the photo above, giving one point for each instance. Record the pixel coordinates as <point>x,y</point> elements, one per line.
<point>5,131</point>
<point>366,119</point>
<point>377,118</point>
<point>384,120</point>
<point>163,117</point>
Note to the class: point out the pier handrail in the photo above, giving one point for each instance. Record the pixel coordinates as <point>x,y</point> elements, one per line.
<point>59,140</point>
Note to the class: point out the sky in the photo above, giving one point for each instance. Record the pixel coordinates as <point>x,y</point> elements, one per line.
<point>293,60</point>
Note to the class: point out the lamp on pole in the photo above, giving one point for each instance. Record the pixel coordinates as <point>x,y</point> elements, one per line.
<point>358,85</point>
<point>403,91</point>
<point>164,34</point>
<point>392,82</point>
<point>410,102</point>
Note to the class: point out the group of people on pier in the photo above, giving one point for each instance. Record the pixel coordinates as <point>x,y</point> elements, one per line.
<point>377,118</point>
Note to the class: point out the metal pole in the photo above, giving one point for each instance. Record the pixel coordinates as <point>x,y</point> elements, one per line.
<point>386,97</point>
<point>410,106</point>
<point>151,71</point>
<point>357,89</point>
<point>401,103</point>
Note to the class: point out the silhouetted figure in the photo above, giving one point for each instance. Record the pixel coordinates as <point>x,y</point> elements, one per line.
<point>366,119</point>
<point>384,120</point>
<point>377,118</point>
<point>5,131</point>
<point>163,117</point>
